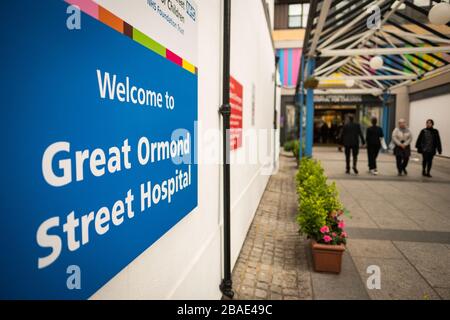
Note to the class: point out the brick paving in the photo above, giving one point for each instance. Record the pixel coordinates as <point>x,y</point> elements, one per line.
<point>273,262</point>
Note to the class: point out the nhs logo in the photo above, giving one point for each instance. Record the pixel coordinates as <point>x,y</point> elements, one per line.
<point>191,11</point>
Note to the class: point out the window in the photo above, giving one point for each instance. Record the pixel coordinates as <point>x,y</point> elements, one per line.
<point>298,15</point>
<point>295,15</point>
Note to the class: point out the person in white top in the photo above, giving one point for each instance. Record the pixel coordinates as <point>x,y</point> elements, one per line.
<point>402,138</point>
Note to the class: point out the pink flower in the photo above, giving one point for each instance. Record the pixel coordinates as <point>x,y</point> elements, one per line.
<point>324,229</point>
<point>334,234</point>
<point>341,225</point>
<point>327,239</point>
<point>344,234</point>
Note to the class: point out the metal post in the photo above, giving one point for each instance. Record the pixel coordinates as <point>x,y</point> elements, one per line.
<point>309,112</point>
<point>227,284</point>
<point>299,99</point>
<point>386,132</point>
<point>275,115</point>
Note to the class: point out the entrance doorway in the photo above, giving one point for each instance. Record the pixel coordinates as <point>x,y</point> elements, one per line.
<point>327,122</point>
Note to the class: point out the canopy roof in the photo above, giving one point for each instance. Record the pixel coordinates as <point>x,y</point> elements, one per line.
<point>343,36</point>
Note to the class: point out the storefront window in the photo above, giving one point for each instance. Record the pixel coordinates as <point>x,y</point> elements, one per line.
<point>366,115</point>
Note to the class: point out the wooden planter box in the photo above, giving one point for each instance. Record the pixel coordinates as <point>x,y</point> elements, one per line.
<point>327,258</point>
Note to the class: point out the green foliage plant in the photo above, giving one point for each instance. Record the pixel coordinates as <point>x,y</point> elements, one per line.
<point>321,212</point>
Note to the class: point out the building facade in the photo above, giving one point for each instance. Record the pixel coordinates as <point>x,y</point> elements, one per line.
<point>290,20</point>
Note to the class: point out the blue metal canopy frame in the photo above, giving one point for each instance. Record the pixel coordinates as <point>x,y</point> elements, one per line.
<point>338,27</point>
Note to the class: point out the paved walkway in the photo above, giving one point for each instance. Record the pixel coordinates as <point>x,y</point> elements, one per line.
<point>273,262</point>
<point>400,224</point>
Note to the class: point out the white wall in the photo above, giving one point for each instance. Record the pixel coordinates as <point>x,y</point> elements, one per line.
<point>186,263</point>
<point>250,66</point>
<point>436,108</point>
<point>271,6</point>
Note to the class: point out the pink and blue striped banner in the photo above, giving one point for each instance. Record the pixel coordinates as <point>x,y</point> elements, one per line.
<point>289,65</point>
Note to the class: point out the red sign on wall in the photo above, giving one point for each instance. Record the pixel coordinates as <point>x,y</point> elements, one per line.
<point>236,103</point>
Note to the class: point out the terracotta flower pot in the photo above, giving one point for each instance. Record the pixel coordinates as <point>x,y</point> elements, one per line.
<point>327,258</point>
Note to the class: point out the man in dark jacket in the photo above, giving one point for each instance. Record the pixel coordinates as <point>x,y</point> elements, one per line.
<point>374,134</point>
<point>324,131</point>
<point>427,144</point>
<point>350,136</point>
<point>339,130</point>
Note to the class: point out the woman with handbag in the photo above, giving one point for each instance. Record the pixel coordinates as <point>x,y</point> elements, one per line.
<point>427,144</point>
<point>402,138</point>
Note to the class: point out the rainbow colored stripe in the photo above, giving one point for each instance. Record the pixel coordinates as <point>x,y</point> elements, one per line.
<point>103,15</point>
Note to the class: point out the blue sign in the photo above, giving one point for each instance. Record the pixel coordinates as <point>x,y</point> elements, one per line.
<point>98,151</point>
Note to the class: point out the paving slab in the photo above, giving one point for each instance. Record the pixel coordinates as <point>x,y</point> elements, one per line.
<point>444,293</point>
<point>363,248</point>
<point>399,280</point>
<point>430,259</point>
<point>344,286</point>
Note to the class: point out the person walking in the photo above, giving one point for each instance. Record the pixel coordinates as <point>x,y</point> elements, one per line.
<point>374,136</point>
<point>351,133</point>
<point>324,132</point>
<point>427,144</point>
<point>339,141</point>
<point>332,132</point>
<point>402,138</point>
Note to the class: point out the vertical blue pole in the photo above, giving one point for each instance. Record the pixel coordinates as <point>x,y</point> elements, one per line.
<point>386,116</point>
<point>310,112</point>
<point>300,101</point>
